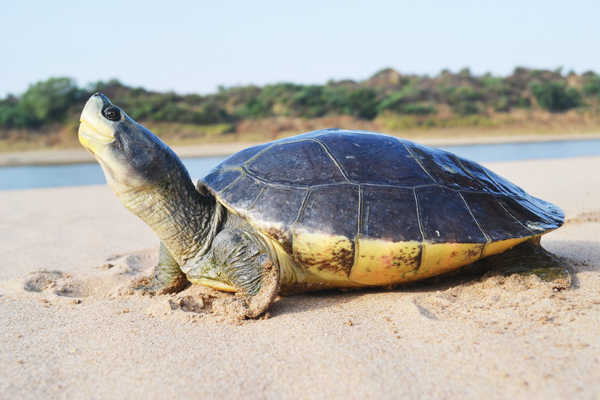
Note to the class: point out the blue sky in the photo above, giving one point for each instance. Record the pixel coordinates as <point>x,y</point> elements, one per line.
<point>195,46</point>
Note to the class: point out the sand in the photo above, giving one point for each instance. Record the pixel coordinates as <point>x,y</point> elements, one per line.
<point>69,330</point>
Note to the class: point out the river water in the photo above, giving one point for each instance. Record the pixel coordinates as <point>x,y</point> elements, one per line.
<point>37,176</point>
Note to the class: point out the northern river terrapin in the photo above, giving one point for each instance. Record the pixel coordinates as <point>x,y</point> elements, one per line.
<point>330,208</point>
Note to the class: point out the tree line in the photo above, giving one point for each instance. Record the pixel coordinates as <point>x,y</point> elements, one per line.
<point>58,100</point>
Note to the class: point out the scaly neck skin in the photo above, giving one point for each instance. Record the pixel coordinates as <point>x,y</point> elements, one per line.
<point>176,212</point>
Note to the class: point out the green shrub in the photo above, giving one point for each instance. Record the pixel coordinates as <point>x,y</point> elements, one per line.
<point>47,101</point>
<point>9,113</point>
<point>309,102</point>
<point>553,96</point>
<point>392,102</point>
<point>171,113</point>
<point>253,108</point>
<point>592,87</point>
<point>211,113</point>
<point>362,103</point>
<point>407,101</point>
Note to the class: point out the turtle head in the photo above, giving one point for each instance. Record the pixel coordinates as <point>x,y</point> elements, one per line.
<point>132,157</point>
<point>147,176</point>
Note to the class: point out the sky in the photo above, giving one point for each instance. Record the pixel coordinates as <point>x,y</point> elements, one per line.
<point>196,46</point>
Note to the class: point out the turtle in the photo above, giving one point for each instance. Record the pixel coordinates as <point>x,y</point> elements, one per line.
<point>325,209</point>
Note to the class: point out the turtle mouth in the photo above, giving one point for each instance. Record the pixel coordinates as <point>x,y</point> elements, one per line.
<point>95,129</point>
<point>88,134</point>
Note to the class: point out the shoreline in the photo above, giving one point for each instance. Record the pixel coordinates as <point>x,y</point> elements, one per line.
<point>80,155</point>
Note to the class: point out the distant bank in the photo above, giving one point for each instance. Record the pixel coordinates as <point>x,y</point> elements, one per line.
<point>451,103</point>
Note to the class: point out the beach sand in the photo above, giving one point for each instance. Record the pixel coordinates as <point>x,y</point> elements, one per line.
<point>68,329</point>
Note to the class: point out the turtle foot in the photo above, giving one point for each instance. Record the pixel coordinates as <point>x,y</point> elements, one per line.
<point>530,258</point>
<point>245,306</point>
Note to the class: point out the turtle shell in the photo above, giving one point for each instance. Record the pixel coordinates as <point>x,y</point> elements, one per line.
<point>373,209</point>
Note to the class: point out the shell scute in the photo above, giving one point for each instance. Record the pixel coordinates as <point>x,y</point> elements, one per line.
<point>390,214</point>
<point>452,223</point>
<point>276,211</point>
<point>524,212</point>
<point>242,193</point>
<point>218,179</point>
<point>381,159</point>
<point>493,219</point>
<point>448,170</point>
<point>243,156</point>
<point>303,163</point>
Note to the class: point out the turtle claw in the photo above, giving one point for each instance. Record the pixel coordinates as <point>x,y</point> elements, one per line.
<point>150,289</point>
<point>157,287</point>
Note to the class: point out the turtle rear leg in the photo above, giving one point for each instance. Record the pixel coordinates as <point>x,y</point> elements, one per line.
<point>169,277</point>
<point>530,258</point>
<point>248,267</point>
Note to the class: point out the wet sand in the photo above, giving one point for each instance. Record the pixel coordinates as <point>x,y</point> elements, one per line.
<point>69,329</point>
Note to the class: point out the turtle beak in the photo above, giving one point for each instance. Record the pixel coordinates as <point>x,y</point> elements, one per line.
<point>105,101</point>
<point>95,130</point>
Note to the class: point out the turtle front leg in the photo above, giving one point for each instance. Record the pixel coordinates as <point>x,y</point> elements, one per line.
<point>248,267</point>
<point>169,277</point>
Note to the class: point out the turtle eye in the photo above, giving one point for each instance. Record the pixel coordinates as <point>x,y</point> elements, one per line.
<point>112,113</point>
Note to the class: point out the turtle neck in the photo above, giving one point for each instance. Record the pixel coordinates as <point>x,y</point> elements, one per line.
<point>182,218</point>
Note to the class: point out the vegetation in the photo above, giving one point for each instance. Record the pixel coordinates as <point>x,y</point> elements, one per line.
<point>554,96</point>
<point>397,102</point>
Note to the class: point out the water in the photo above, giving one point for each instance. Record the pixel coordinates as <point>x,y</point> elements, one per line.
<point>36,176</point>
<point>526,151</point>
